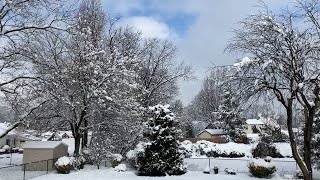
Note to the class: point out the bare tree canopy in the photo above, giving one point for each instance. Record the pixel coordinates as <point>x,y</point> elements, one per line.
<point>282,61</point>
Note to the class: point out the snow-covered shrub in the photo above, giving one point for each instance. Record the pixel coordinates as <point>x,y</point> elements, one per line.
<point>187,148</point>
<point>120,168</point>
<point>78,162</point>
<point>231,171</point>
<point>160,155</point>
<point>117,158</point>
<point>6,147</point>
<point>63,165</point>
<point>264,149</point>
<point>133,155</point>
<point>260,168</point>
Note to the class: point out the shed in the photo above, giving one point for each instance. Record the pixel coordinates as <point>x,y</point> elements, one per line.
<point>216,135</point>
<point>41,155</point>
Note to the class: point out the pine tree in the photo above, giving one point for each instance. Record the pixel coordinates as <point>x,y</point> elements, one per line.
<point>229,118</point>
<point>161,155</point>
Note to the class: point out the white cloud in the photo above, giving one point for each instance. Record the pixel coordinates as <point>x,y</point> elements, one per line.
<point>150,27</point>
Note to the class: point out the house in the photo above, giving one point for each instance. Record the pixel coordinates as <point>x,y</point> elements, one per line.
<point>41,155</point>
<point>252,124</point>
<point>13,138</point>
<point>212,134</point>
<point>56,136</point>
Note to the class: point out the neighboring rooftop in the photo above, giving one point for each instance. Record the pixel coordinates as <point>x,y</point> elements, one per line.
<point>42,144</point>
<point>215,131</point>
<point>254,122</point>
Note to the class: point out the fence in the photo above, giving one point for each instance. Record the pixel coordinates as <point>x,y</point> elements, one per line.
<point>284,166</point>
<point>27,170</point>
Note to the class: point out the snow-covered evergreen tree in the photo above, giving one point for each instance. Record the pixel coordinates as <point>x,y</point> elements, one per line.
<point>228,118</point>
<point>161,155</point>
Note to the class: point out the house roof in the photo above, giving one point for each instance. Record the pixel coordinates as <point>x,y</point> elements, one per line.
<point>254,122</point>
<point>42,144</point>
<point>214,131</point>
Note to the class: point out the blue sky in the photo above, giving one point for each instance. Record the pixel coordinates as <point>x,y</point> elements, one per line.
<point>200,29</point>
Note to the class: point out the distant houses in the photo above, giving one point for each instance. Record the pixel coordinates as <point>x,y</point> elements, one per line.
<point>15,139</point>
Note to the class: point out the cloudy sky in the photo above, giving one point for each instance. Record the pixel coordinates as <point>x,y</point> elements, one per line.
<point>200,29</point>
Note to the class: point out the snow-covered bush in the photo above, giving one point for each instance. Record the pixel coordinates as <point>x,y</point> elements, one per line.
<point>260,168</point>
<point>209,149</point>
<point>160,155</point>
<point>264,149</point>
<point>120,168</point>
<point>231,171</point>
<point>6,147</point>
<point>187,148</point>
<point>117,158</point>
<point>63,165</point>
<point>78,162</point>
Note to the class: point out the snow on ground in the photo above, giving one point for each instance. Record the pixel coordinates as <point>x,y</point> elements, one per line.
<point>284,165</point>
<point>70,143</point>
<point>284,149</point>
<point>5,159</point>
<point>108,173</point>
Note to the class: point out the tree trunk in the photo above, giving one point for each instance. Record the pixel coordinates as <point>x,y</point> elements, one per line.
<point>306,173</point>
<point>307,140</point>
<point>85,134</point>
<point>77,140</point>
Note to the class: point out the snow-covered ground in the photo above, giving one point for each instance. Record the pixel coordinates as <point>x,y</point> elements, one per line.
<point>284,165</point>
<point>5,159</point>
<point>102,174</point>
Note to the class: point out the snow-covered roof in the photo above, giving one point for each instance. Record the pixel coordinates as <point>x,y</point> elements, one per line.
<point>254,122</point>
<point>48,133</point>
<point>215,131</point>
<point>42,144</point>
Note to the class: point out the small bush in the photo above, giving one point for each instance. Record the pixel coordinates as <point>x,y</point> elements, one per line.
<point>117,158</point>
<point>260,168</point>
<point>63,165</point>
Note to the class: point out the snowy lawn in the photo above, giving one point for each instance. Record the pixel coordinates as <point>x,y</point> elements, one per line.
<point>5,159</point>
<point>101,174</point>
<point>284,165</point>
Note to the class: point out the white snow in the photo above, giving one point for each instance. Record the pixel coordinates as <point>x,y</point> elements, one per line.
<point>300,85</point>
<point>245,61</point>
<point>239,148</point>
<point>42,144</point>
<point>63,161</point>
<point>70,142</point>
<point>108,173</point>
<point>117,157</point>
<point>4,126</point>
<point>121,168</point>
<point>284,149</point>
<point>254,122</point>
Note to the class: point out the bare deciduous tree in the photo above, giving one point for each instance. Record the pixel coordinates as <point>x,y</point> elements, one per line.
<point>281,64</point>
